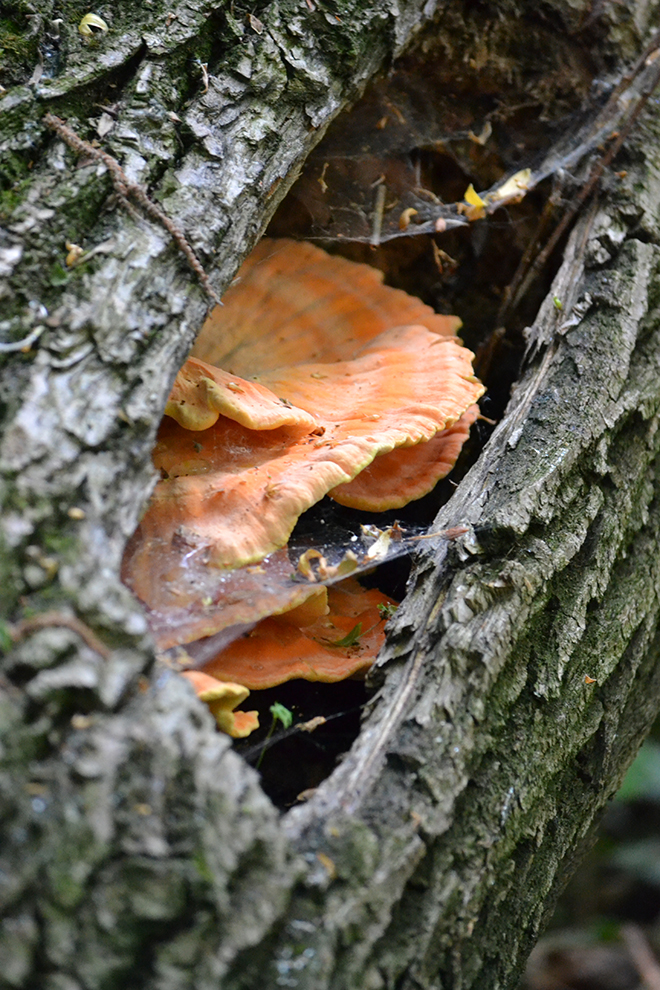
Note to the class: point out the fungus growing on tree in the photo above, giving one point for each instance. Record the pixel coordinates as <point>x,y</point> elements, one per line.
<point>343,643</point>
<point>406,473</point>
<point>291,302</point>
<point>240,491</point>
<point>187,600</point>
<point>373,412</point>
<point>201,393</point>
<point>222,698</point>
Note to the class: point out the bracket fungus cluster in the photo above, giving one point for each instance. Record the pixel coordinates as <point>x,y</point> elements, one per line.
<point>312,379</point>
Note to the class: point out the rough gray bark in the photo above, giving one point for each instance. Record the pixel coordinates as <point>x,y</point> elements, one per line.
<point>136,846</point>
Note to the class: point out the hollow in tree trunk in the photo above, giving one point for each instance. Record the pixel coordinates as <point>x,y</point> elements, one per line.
<point>520,673</point>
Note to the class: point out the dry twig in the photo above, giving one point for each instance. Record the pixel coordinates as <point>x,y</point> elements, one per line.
<point>19,630</point>
<point>617,137</point>
<point>128,191</point>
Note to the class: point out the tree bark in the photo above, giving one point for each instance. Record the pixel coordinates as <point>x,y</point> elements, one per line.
<point>520,673</point>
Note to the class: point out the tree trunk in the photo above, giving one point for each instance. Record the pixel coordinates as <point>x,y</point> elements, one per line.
<point>520,673</point>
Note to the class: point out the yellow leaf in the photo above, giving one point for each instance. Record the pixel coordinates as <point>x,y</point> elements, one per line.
<point>474,207</point>
<point>91,24</point>
<point>472,197</point>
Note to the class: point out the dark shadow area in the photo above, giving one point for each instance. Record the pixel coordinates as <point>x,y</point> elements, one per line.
<point>294,761</point>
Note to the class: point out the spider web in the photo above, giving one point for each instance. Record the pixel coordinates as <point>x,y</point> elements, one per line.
<point>369,180</point>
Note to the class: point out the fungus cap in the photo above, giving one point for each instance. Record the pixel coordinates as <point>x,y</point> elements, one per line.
<point>187,601</point>
<point>407,473</point>
<point>202,392</point>
<point>292,302</point>
<point>221,698</point>
<point>239,492</point>
<point>276,651</point>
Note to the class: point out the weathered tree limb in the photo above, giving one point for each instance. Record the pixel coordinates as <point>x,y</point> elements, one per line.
<point>520,671</point>
<point>134,840</point>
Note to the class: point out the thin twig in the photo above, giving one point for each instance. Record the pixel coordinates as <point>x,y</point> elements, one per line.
<point>511,290</point>
<point>19,630</point>
<point>598,168</point>
<point>127,190</point>
<point>379,207</point>
<point>258,749</point>
<point>25,344</point>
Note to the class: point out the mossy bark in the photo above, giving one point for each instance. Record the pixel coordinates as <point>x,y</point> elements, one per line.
<point>520,673</point>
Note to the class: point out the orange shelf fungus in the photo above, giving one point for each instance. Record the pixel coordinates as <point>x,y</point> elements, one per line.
<point>291,302</point>
<point>276,651</point>
<point>241,491</point>
<point>407,473</point>
<point>201,393</point>
<point>311,610</point>
<point>222,698</point>
<point>333,384</point>
<point>187,600</point>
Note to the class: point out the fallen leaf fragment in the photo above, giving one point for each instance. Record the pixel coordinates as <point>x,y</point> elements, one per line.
<point>91,24</point>
<point>74,254</point>
<point>328,864</point>
<point>380,547</point>
<point>308,793</point>
<point>312,724</point>
<point>222,698</point>
<point>351,637</point>
<point>483,135</point>
<point>474,207</point>
<point>513,190</point>
<point>305,563</point>
<point>314,567</point>
<point>406,216</point>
